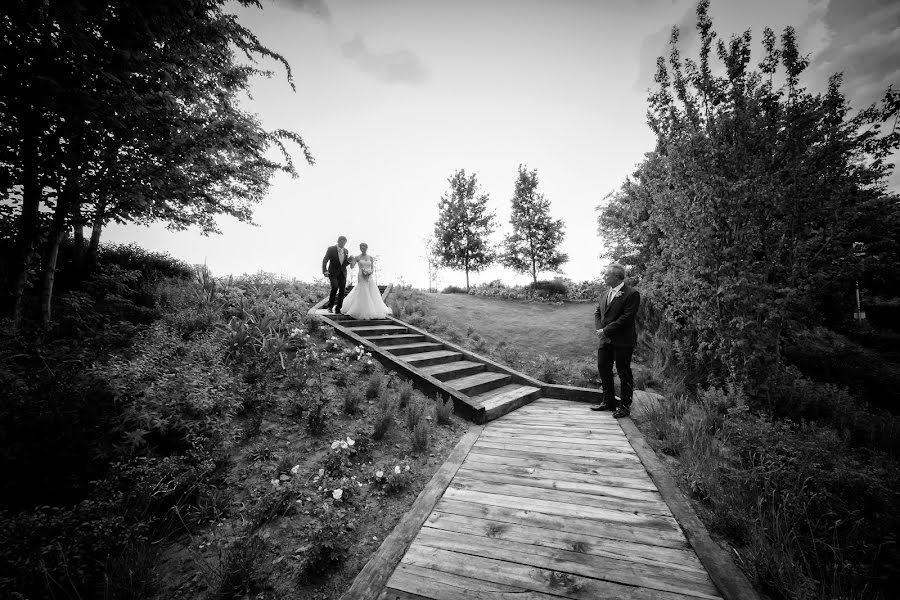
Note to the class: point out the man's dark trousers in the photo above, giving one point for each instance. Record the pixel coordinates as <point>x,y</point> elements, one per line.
<point>338,283</point>
<point>620,356</point>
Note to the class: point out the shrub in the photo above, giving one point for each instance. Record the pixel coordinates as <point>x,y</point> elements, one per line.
<point>554,287</point>
<point>384,417</point>
<point>352,400</point>
<point>327,542</point>
<point>239,568</point>
<point>317,418</point>
<point>551,369</point>
<point>151,265</point>
<point>443,410</point>
<point>414,413</point>
<point>275,502</point>
<point>405,393</point>
<point>373,386</point>
<point>453,289</point>
<point>390,479</point>
<point>421,436</point>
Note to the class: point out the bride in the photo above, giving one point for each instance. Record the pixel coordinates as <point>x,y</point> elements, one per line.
<point>364,300</point>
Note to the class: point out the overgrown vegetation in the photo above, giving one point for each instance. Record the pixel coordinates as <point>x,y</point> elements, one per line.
<point>152,416</point>
<point>747,227</point>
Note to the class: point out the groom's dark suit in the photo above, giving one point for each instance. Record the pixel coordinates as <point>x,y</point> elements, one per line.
<point>336,268</point>
<point>616,318</point>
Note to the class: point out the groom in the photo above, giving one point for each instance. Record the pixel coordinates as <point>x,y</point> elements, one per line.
<point>615,323</point>
<point>334,267</point>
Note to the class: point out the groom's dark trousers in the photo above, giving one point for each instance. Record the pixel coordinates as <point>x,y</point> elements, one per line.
<point>337,275</point>
<point>617,320</point>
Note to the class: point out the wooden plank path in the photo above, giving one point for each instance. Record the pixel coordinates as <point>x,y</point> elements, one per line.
<point>550,501</point>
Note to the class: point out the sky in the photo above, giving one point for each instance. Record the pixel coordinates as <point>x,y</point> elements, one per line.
<point>394,96</point>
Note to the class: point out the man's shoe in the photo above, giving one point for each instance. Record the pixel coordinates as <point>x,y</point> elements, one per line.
<point>331,310</point>
<point>604,405</point>
<point>622,411</point>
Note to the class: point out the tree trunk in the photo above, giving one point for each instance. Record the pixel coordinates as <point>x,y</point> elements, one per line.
<point>30,217</point>
<point>58,225</point>
<point>96,228</point>
<point>78,225</point>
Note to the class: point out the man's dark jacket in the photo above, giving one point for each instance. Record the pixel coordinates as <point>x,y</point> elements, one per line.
<point>617,318</point>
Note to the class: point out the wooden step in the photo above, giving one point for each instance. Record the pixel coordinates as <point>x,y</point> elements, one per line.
<point>396,340</point>
<point>424,359</point>
<point>453,370</point>
<point>497,403</point>
<point>470,385</point>
<point>371,330</point>
<point>366,322</point>
<point>417,348</point>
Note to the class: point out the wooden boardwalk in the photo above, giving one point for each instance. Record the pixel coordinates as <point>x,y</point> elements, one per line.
<point>550,501</point>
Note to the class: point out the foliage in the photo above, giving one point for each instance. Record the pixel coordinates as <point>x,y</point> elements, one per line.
<point>443,409</point>
<point>125,111</point>
<point>328,541</point>
<point>384,417</point>
<point>463,226</point>
<point>373,386</point>
<point>404,394</point>
<point>238,570</point>
<point>533,245</point>
<point>414,413</point>
<point>391,479</point>
<point>453,289</point>
<point>758,204</point>
<point>352,401</point>
<point>421,436</point>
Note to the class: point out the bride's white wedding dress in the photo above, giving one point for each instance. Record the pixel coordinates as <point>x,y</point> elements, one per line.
<point>364,300</point>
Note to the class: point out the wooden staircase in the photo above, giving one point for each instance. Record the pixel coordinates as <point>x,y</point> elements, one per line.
<point>486,391</point>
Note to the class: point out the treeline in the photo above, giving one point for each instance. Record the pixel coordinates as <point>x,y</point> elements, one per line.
<point>123,111</point>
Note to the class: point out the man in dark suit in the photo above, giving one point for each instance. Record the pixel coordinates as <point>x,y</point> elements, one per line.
<point>334,267</point>
<point>614,321</point>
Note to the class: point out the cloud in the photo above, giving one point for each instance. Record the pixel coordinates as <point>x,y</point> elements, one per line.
<point>397,66</point>
<point>864,44</point>
<point>315,8</point>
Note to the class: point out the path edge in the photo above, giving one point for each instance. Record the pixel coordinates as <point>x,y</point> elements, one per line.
<point>726,575</point>
<point>370,581</point>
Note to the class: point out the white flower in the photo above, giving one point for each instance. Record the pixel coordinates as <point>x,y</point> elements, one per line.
<point>295,469</point>
<point>274,483</point>
<point>350,442</point>
<point>336,494</point>
<point>397,469</point>
<point>407,467</point>
<point>321,472</point>
<point>335,444</point>
<point>379,474</point>
<point>343,445</point>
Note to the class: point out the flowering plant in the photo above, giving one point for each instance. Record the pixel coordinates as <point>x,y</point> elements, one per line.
<point>392,479</point>
<point>356,353</point>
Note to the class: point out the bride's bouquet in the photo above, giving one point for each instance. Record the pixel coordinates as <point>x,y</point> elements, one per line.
<point>366,270</point>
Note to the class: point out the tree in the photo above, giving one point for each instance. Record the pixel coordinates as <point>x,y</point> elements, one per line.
<point>743,219</point>
<point>463,226</point>
<point>125,111</point>
<point>534,243</point>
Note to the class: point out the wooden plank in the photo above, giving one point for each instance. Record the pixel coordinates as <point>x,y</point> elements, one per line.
<point>370,581</point>
<point>485,465</point>
<point>587,420</point>
<point>454,369</point>
<point>608,453</point>
<point>416,348</point>
<point>584,429</point>
<point>537,579</point>
<point>575,499</point>
<point>561,441</point>
<point>670,558</point>
<point>507,393</point>
<point>654,577</point>
<point>554,483</point>
<point>730,580</point>
<point>566,524</point>
<point>439,585</point>
<point>563,509</point>
<point>537,459</point>
<point>472,385</point>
